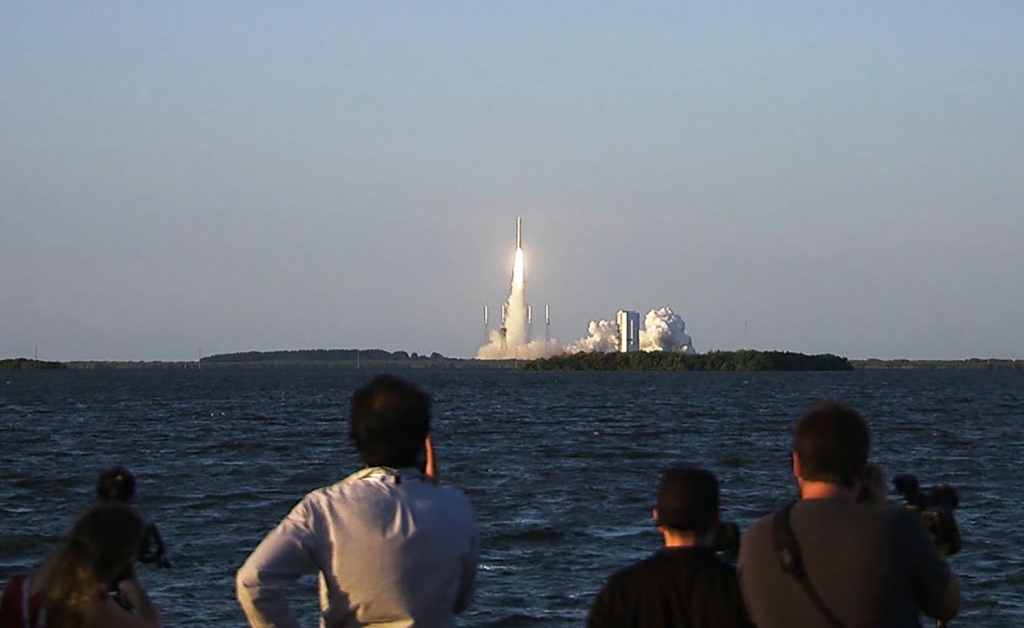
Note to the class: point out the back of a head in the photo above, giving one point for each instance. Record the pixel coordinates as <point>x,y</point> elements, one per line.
<point>688,499</point>
<point>116,484</point>
<point>389,420</point>
<point>832,441</point>
<point>102,545</point>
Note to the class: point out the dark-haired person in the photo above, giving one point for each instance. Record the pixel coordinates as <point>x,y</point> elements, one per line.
<point>684,584</point>
<point>117,484</point>
<point>70,590</point>
<point>392,547</point>
<point>867,564</point>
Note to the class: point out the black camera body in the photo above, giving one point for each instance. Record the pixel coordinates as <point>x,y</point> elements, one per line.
<point>726,537</point>
<point>935,505</point>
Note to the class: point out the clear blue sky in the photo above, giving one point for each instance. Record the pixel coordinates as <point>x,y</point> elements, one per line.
<point>200,177</point>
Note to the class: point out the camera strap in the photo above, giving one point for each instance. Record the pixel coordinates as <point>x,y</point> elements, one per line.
<point>791,561</point>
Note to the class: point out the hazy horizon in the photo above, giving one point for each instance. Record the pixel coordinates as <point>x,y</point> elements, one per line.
<point>190,179</point>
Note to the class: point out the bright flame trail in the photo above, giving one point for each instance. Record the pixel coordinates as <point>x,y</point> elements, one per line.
<point>516,342</point>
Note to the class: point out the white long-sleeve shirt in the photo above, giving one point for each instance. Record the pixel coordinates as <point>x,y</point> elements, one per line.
<point>392,549</point>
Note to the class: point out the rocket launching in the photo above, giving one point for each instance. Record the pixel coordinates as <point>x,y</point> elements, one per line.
<point>663,329</point>
<point>512,340</point>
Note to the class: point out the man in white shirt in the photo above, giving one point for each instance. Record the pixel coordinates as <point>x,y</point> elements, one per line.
<point>393,549</point>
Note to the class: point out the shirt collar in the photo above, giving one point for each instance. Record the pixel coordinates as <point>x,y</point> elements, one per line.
<point>388,472</point>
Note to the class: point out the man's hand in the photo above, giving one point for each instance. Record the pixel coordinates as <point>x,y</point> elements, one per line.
<point>430,471</point>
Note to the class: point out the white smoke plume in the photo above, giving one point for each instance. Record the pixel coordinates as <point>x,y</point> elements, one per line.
<point>603,337</point>
<point>664,330</point>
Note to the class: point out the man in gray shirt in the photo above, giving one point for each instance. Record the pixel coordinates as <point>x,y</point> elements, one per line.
<point>871,565</point>
<point>392,547</point>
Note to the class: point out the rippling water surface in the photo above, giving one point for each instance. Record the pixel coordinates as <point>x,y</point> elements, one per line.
<point>561,467</point>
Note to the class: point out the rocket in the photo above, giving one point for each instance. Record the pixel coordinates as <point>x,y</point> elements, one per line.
<point>519,232</point>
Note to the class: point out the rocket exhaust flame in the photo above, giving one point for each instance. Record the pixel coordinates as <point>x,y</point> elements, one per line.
<point>517,317</point>
<point>518,270</point>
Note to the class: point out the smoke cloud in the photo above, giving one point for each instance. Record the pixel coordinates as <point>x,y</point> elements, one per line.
<point>664,330</point>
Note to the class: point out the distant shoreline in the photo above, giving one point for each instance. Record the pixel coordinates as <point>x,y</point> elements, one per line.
<point>25,364</point>
<point>746,360</point>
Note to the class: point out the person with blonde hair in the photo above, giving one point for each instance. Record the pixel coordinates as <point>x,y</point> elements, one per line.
<point>72,589</point>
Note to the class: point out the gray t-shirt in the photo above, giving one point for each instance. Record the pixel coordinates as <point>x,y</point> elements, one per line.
<point>873,566</point>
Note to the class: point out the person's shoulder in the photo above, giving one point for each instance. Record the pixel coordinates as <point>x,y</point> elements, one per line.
<point>901,520</point>
<point>13,587</point>
<point>635,571</point>
<point>451,492</point>
<point>326,497</point>
<point>757,544</point>
<point>760,527</point>
<point>454,502</point>
<point>348,485</point>
<point>893,515</point>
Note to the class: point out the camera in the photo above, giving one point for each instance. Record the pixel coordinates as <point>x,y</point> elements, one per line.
<point>935,505</point>
<point>726,537</point>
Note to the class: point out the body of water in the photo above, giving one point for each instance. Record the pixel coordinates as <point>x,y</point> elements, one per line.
<point>561,467</point>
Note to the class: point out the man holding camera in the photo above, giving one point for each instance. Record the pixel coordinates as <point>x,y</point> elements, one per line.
<point>391,546</point>
<point>828,560</point>
<point>684,585</point>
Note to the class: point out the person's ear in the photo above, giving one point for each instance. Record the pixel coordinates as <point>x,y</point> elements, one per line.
<point>796,465</point>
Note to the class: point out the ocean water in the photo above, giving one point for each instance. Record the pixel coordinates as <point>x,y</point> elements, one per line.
<point>561,467</point>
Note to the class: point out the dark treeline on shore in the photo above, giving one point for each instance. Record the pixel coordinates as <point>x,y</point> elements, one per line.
<point>346,358</point>
<point>972,364</point>
<point>25,364</point>
<point>745,360</point>
<point>317,355</point>
<point>129,365</point>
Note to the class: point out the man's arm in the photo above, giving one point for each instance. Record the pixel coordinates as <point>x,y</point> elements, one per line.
<point>286,553</point>
<point>144,614</point>
<point>430,466</point>
<point>936,586</point>
<point>467,581</point>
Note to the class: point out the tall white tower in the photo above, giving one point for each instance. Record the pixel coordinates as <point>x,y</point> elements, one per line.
<point>629,331</point>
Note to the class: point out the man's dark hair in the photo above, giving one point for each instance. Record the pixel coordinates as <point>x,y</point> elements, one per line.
<point>688,499</point>
<point>389,420</point>
<point>833,442</point>
<point>116,484</point>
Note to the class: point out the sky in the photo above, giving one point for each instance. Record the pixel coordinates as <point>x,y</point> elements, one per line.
<point>188,178</point>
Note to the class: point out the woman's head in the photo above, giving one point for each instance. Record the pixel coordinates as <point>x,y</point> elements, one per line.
<point>101,547</point>
<point>116,484</point>
<point>111,534</point>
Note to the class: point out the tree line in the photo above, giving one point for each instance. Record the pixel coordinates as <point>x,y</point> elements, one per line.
<point>24,364</point>
<point>744,360</point>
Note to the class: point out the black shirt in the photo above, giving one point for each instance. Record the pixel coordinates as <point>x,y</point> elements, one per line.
<point>678,587</point>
